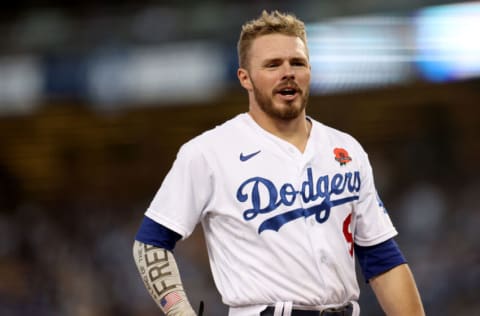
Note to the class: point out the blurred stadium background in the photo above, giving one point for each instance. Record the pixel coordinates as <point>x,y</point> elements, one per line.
<point>97,96</point>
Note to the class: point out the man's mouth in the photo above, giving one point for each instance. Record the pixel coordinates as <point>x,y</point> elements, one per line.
<point>287,91</point>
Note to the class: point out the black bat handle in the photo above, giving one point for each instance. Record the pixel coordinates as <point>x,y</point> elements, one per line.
<point>200,309</point>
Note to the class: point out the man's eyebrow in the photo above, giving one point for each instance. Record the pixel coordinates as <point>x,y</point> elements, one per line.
<point>298,58</point>
<point>278,59</point>
<point>272,60</point>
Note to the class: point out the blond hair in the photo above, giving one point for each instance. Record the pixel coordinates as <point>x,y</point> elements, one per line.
<point>268,23</point>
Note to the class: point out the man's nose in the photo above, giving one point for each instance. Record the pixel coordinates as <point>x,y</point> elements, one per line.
<point>288,71</point>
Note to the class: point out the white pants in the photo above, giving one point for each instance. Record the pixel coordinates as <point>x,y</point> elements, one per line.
<point>281,309</point>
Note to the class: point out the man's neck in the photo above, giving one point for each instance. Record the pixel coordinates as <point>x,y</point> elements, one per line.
<point>295,131</point>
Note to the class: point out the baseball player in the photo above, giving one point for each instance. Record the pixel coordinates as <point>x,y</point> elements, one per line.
<point>286,203</point>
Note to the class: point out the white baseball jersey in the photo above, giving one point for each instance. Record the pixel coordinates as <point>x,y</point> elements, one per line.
<point>279,224</point>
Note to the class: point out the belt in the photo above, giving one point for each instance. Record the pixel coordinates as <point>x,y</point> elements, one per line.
<point>346,310</point>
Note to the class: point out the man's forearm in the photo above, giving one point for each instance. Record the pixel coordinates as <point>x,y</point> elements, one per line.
<point>397,292</point>
<point>160,275</point>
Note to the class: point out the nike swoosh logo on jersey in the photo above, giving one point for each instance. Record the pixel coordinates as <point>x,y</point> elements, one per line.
<point>247,157</point>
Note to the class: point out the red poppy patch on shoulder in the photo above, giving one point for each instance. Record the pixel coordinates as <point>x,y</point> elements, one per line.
<point>341,155</point>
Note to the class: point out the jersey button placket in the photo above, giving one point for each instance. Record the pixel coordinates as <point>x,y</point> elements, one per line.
<point>312,228</point>
<point>309,221</point>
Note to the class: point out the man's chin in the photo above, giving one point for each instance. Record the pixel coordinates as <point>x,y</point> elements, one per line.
<point>286,113</point>
<point>281,109</point>
<point>289,110</point>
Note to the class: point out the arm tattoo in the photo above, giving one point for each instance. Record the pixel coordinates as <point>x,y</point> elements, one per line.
<point>160,275</point>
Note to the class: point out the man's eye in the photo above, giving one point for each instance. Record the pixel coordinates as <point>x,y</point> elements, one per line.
<point>298,63</point>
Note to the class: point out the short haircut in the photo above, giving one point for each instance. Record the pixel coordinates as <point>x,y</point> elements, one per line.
<point>268,23</point>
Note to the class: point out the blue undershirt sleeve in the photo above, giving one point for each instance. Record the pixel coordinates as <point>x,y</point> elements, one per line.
<point>155,234</point>
<point>377,259</point>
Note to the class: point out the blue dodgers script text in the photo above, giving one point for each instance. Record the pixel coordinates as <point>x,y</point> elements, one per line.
<point>323,187</point>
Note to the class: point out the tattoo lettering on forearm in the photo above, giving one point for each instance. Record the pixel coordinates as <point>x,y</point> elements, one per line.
<point>157,267</point>
<point>159,272</point>
<point>139,258</point>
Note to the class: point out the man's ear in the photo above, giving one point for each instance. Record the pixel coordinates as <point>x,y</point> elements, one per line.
<point>244,78</point>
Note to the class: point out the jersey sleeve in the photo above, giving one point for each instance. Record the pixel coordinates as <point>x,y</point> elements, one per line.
<point>380,258</point>
<point>184,192</point>
<point>373,224</point>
